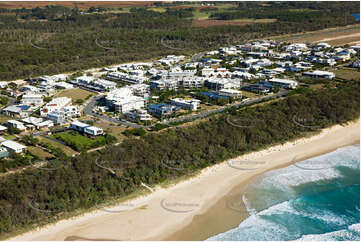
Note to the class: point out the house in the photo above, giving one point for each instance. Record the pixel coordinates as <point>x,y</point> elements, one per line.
<point>13,147</point>
<point>79,126</point>
<point>64,85</point>
<point>57,104</point>
<point>45,124</point>
<point>93,131</point>
<point>140,114</point>
<point>230,93</point>
<point>164,84</point>
<point>284,83</point>
<point>32,120</point>
<point>212,95</point>
<point>3,129</point>
<point>17,111</point>
<point>86,128</point>
<point>58,117</point>
<point>4,152</point>
<point>257,88</point>
<point>319,74</point>
<point>217,84</point>
<point>192,104</point>
<point>32,99</point>
<point>162,109</point>
<point>16,124</point>
<point>116,75</point>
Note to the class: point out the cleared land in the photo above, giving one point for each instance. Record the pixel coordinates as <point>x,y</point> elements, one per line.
<point>213,22</point>
<point>74,94</point>
<point>66,149</point>
<point>348,73</point>
<point>80,5</point>
<point>334,36</point>
<point>43,155</point>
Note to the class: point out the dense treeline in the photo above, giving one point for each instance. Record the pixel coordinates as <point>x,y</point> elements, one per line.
<point>57,39</point>
<point>82,183</point>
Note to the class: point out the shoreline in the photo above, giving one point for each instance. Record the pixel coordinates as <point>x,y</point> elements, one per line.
<point>146,218</point>
<point>230,222</point>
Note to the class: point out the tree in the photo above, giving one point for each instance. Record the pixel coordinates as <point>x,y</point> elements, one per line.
<point>79,101</point>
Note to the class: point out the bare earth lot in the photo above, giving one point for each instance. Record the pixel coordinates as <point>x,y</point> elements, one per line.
<point>74,94</point>
<point>333,36</point>
<point>80,5</point>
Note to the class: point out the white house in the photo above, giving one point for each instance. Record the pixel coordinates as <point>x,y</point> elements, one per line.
<point>290,84</point>
<point>13,146</point>
<point>94,131</point>
<point>16,124</point>
<point>319,74</point>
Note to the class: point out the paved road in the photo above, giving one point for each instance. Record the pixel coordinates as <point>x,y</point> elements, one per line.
<point>222,109</point>
<point>88,110</point>
<point>197,57</point>
<point>89,107</point>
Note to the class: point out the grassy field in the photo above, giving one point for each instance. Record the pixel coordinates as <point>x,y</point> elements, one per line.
<point>159,10</point>
<point>74,94</point>
<point>43,155</point>
<point>348,73</point>
<point>68,151</point>
<point>78,141</point>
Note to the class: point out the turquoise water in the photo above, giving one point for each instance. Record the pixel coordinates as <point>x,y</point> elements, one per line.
<point>316,199</point>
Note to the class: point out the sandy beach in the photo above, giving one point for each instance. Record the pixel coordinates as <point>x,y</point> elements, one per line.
<point>183,211</point>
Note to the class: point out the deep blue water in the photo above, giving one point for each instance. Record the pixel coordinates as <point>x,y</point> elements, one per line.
<point>356,16</point>
<point>300,202</point>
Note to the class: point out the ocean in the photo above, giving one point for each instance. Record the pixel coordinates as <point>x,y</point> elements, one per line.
<point>315,199</point>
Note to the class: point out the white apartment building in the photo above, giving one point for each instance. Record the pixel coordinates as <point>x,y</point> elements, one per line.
<point>192,104</point>
<point>218,84</point>
<point>193,82</point>
<point>122,100</point>
<point>139,89</point>
<point>116,75</point>
<point>230,93</point>
<point>56,104</point>
<point>32,99</point>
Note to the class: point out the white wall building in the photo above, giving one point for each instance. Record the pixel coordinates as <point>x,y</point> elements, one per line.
<point>13,146</point>
<point>192,104</point>
<point>230,93</point>
<point>57,104</point>
<point>284,83</point>
<point>122,100</point>
<point>319,74</point>
<point>32,99</point>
